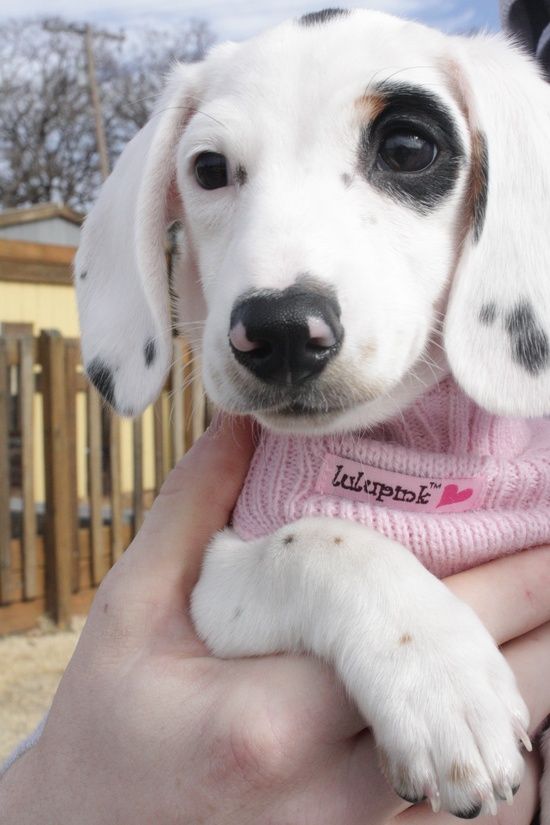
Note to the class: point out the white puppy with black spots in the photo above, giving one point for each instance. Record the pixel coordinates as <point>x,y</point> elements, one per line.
<point>365,210</point>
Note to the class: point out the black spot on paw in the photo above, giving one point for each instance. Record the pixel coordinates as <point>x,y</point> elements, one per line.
<point>515,789</point>
<point>101,377</point>
<point>530,345</point>
<point>241,175</point>
<point>414,800</point>
<point>316,17</point>
<point>471,813</point>
<point>488,314</point>
<point>149,352</point>
<point>84,275</point>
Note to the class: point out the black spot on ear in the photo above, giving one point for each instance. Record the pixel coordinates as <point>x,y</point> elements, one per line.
<point>530,345</point>
<point>488,314</point>
<point>83,275</point>
<point>316,17</point>
<point>102,378</point>
<point>241,175</point>
<point>149,352</point>
<point>480,183</point>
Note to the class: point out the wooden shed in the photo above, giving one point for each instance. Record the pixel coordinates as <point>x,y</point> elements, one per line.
<point>50,223</point>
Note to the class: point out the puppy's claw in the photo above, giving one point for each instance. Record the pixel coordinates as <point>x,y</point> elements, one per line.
<point>525,741</point>
<point>492,805</point>
<point>509,795</point>
<point>435,799</point>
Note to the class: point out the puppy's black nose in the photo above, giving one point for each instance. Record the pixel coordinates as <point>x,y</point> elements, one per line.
<point>284,337</point>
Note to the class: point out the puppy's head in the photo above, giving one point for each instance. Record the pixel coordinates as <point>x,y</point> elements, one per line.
<point>365,204</point>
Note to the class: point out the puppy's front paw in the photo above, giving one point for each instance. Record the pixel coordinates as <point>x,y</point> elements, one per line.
<point>450,726</point>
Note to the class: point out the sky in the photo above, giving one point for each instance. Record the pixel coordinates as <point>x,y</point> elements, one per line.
<point>238,19</point>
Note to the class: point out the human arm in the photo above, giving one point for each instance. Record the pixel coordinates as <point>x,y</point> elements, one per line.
<point>147,727</point>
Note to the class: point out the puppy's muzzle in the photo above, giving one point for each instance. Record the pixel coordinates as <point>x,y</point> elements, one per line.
<point>285,337</point>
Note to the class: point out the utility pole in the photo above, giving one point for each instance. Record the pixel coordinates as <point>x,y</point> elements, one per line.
<point>88,34</point>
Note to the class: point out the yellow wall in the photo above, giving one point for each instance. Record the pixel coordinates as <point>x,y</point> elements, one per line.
<point>54,307</point>
<point>46,306</point>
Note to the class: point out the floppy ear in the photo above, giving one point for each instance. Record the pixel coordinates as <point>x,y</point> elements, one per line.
<point>121,269</point>
<point>497,331</point>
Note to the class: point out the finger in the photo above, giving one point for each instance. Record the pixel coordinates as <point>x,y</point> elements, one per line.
<point>144,594</point>
<point>195,501</point>
<point>510,595</point>
<point>529,658</point>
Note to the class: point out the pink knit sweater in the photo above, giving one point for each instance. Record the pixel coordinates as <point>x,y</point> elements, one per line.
<point>451,482</point>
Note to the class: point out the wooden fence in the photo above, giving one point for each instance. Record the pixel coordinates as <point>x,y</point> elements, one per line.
<point>75,479</point>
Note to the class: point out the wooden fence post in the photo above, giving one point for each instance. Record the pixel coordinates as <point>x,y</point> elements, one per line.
<point>95,484</point>
<point>137,441</point>
<point>72,357</point>
<point>58,550</point>
<point>26,407</point>
<point>5,514</point>
<point>117,541</point>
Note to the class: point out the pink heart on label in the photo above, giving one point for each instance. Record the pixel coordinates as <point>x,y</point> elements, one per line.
<point>452,495</point>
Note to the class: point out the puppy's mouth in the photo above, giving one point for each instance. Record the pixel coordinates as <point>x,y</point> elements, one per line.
<point>306,410</point>
<point>298,413</point>
<point>314,403</point>
<point>298,409</point>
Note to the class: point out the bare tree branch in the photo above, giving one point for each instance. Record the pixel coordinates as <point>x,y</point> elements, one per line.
<point>48,147</point>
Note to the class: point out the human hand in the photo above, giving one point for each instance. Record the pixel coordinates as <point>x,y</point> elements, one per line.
<point>146,727</point>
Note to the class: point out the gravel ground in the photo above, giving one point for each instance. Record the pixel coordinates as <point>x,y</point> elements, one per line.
<point>31,666</point>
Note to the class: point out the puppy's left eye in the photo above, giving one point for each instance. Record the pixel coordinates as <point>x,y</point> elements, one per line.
<point>211,170</point>
<point>403,151</point>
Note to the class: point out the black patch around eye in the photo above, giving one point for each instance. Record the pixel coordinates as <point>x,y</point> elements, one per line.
<point>241,175</point>
<point>101,377</point>
<point>316,17</point>
<point>413,110</point>
<point>488,314</point>
<point>149,352</point>
<point>530,345</point>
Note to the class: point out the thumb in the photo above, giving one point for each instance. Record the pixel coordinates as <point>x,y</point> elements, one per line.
<point>195,502</point>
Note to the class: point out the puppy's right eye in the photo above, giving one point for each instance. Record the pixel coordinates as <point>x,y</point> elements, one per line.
<point>211,170</point>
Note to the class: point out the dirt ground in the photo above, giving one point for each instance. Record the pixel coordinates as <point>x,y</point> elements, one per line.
<point>31,666</point>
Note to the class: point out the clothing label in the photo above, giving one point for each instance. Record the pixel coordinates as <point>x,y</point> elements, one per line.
<point>359,482</point>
